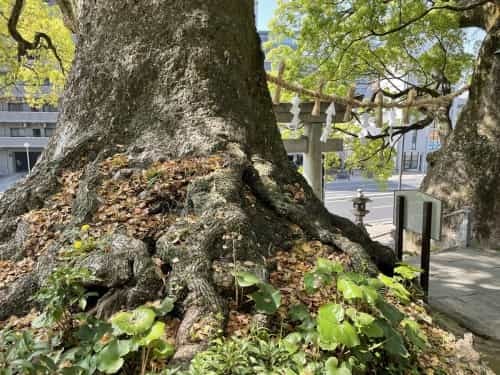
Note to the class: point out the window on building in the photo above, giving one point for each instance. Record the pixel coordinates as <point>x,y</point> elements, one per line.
<point>17,132</point>
<point>414,137</point>
<point>49,132</point>
<point>49,108</point>
<point>16,107</point>
<point>37,132</point>
<point>411,160</point>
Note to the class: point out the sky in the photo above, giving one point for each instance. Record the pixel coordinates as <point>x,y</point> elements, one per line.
<point>266,9</point>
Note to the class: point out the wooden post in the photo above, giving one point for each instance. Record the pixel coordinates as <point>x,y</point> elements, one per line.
<point>426,247</point>
<point>400,217</point>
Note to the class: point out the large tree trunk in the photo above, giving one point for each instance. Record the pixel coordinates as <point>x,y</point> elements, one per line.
<point>168,84</point>
<point>466,172</point>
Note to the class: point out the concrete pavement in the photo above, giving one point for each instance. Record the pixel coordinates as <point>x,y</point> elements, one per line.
<point>465,285</point>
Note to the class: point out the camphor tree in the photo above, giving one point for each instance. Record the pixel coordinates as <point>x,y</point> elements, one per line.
<point>168,98</point>
<point>36,49</point>
<point>419,45</point>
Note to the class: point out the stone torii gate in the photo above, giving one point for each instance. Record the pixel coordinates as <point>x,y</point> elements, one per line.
<point>310,144</point>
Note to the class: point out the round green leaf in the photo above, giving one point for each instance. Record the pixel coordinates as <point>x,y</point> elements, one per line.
<point>370,294</point>
<point>407,271</point>
<point>331,364</point>
<point>267,299</point>
<point>349,289</point>
<point>110,360</point>
<point>162,349</point>
<point>166,306</point>
<point>135,322</point>
<point>332,331</point>
<point>328,266</point>
<point>246,279</point>
<point>292,341</point>
<point>310,282</point>
<point>331,367</point>
<point>331,313</point>
<point>155,333</point>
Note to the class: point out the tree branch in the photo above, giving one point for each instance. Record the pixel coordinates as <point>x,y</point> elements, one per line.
<point>23,46</point>
<point>467,6</point>
<point>400,130</point>
<point>371,156</point>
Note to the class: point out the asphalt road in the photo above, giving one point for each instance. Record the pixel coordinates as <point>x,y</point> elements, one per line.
<point>339,193</point>
<point>7,181</point>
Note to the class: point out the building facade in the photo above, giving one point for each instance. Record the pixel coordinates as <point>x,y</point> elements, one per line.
<point>24,133</point>
<point>414,147</point>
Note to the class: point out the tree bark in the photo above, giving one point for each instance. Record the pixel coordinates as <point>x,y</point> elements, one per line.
<point>180,82</point>
<point>466,172</point>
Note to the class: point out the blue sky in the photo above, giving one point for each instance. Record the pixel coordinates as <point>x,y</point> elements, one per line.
<point>266,9</point>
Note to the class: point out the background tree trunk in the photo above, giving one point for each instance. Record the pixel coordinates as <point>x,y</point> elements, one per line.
<point>466,172</point>
<point>170,82</point>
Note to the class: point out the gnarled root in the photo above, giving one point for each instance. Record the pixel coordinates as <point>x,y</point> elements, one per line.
<point>234,218</point>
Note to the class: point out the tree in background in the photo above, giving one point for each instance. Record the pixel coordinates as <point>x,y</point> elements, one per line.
<point>166,136</point>
<point>41,52</point>
<point>418,45</point>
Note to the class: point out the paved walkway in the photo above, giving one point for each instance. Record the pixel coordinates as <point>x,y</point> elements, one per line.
<point>465,285</point>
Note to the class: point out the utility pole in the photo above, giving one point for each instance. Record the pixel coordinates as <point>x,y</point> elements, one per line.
<point>402,162</point>
<point>27,146</point>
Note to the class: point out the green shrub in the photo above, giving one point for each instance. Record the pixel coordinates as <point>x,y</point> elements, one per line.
<point>62,294</point>
<point>67,342</point>
<point>358,330</point>
<point>259,353</point>
<point>267,298</point>
<point>355,332</point>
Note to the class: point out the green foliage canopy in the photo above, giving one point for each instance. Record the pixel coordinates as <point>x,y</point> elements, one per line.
<point>40,66</point>
<point>343,41</point>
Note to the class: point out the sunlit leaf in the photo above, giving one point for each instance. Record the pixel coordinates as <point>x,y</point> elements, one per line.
<point>134,322</point>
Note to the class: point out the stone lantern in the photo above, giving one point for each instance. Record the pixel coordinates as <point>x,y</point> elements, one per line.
<point>359,207</point>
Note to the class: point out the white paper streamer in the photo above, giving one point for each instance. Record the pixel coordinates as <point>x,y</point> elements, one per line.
<point>295,111</point>
<point>368,128</point>
<point>330,117</point>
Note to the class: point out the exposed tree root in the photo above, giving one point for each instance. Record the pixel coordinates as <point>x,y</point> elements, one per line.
<point>199,218</point>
